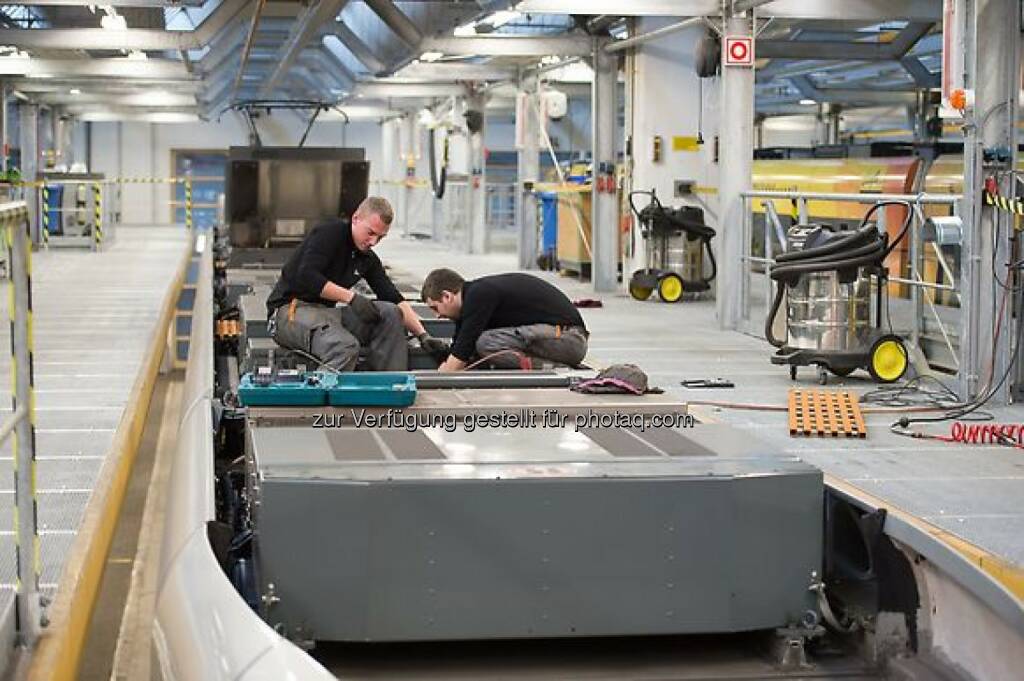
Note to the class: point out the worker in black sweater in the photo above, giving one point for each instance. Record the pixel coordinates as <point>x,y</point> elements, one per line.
<point>320,273</point>
<point>506,318</point>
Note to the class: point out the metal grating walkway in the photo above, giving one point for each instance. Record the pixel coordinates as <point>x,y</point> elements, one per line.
<point>93,316</point>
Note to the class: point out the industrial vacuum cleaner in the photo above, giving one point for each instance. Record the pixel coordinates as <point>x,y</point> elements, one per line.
<point>826,277</point>
<point>675,261</point>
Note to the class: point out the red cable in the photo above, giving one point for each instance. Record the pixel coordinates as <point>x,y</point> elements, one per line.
<point>1004,434</point>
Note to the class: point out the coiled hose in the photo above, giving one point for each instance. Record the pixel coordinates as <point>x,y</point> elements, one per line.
<point>865,247</point>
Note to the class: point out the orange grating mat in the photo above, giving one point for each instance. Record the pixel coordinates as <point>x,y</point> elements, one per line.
<point>825,412</point>
<point>227,328</point>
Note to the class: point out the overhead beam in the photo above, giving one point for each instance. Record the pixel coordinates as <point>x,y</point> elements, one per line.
<point>403,90</point>
<point>920,73</point>
<point>359,49</point>
<point>93,68</point>
<point>827,50</point>
<point>137,99</point>
<point>808,90</point>
<point>317,63</point>
<point>306,26</point>
<point>94,108</point>
<point>780,70</point>
<point>448,71</point>
<point>848,10</point>
<point>116,3</point>
<point>129,39</point>
<point>250,39</point>
<point>330,60</point>
<point>32,86</point>
<point>508,46</point>
<point>396,20</point>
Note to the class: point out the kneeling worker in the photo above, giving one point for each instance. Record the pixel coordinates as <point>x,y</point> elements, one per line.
<point>517,315</point>
<point>321,272</point>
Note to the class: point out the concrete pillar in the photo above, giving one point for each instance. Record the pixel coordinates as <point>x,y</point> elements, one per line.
<point>992,70</point>
<point>29,145</point>
<point>3,127</point>
<point>834,124</point>
<point>477,191</point>
<point>604,218</point>
<point>405,198</point>
<point>390,152</point>
<point>528,169</point>
<point>737,140</point>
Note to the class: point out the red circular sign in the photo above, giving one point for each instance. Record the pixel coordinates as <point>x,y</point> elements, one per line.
<point>738,51</point>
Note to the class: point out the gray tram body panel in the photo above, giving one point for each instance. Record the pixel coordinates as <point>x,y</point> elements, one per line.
<point>387,535</point>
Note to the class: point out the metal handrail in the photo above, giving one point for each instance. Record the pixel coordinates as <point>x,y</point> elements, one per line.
<point>14,225</point>
<point>7,427</point>
<point>915,281</point>
<point>947,199</point>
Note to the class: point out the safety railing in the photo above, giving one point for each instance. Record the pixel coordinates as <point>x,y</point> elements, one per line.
<point>501,206</point>
<point>14,225</point>
<point>83,212</point>
<point>930,274</point>
<point>420,213</point>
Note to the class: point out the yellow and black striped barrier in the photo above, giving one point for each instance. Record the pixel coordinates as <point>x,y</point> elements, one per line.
<point>188,203</point>
<point>46,187</point>
<point>97,202</point>
<point>21,424</point>
<point>1015,206</point>
<point>45,235</point>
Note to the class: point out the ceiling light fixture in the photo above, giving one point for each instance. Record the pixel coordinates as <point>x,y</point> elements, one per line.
<point>112,21</point>
<point>808,102</point>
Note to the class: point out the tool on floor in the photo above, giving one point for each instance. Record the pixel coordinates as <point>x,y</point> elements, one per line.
<point>825,412</point>
<point>707,383</point>
<point>676,240</point>
<point>826,279</point>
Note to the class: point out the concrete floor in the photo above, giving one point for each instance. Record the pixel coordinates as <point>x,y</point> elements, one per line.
<point>973,492</point>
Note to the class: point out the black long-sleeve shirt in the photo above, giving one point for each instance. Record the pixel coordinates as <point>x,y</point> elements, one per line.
<point>328,254</point>
<point>505,300</point>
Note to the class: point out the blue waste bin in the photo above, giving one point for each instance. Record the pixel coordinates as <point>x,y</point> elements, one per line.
<point>549,223</point>
<point>54,200</point>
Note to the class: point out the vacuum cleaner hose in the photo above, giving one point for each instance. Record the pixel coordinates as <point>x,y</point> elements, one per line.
<point>437,183</point>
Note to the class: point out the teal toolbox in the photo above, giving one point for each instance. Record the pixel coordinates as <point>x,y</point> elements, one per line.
<point>372,389</point>
<point>317,389</point>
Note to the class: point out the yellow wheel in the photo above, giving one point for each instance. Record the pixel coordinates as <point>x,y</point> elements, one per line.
<point>888,359</point>
<point>640,292</point>
<point>670,288</point>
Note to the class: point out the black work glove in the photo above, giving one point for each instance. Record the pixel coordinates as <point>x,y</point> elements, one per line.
<point>437,348</point>
<point>364,309</point>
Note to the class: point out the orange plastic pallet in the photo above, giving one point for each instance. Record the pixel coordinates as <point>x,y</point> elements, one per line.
<point>825,412</point>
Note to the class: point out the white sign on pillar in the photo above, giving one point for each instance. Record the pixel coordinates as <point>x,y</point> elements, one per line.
<point>739,50</point>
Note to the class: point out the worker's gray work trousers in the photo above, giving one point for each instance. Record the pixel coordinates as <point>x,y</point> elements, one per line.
<point>558,344</point>
<point>334,335</point>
